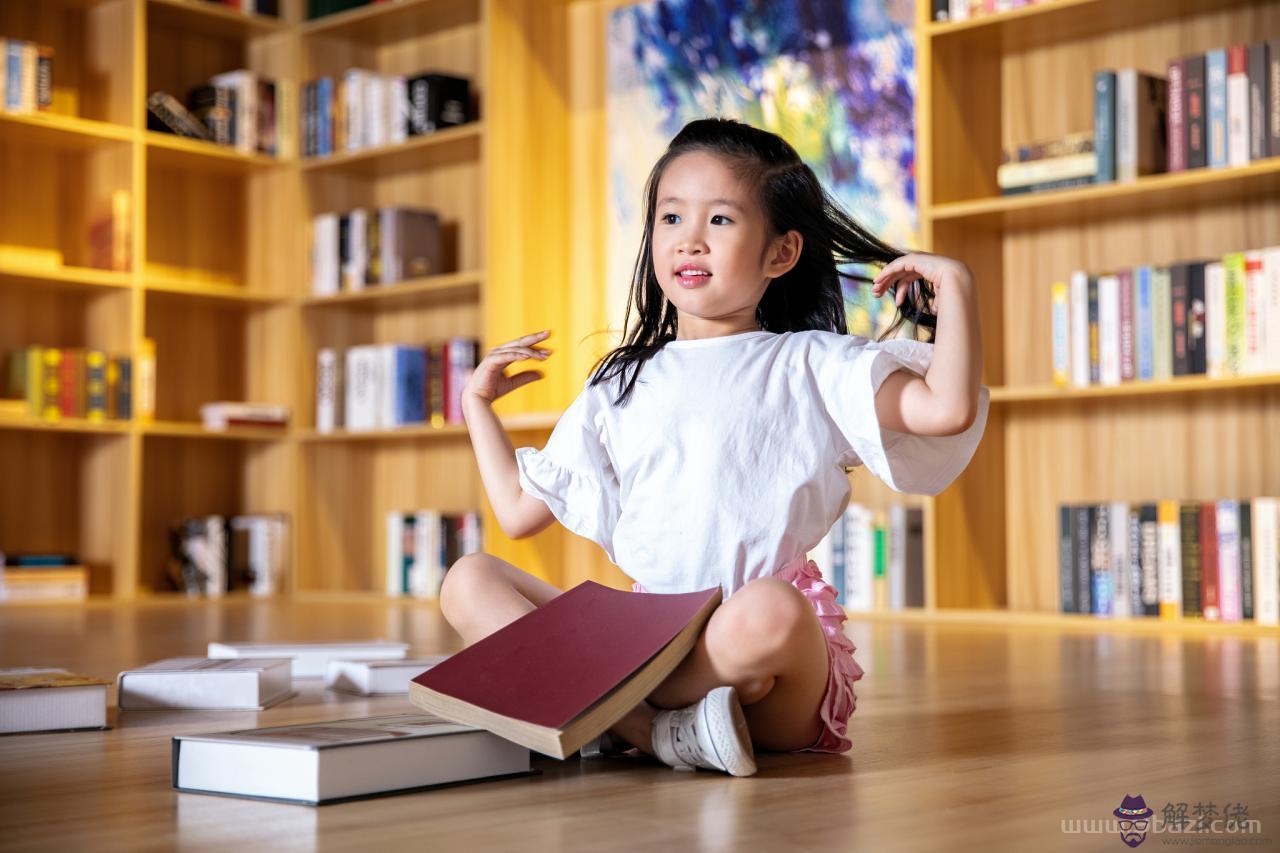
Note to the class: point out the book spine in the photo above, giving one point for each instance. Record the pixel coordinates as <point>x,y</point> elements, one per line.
<point>1104,124</point>
<point>95,384</point>
<point>1048,169</point>
<point>1271,275</point>
<point>1142,331</point>
<point>1237,106</point>
<point>1177,129</point>
<point>1061,184</point>
<point>1254,355</point>
<point>1170,560</point>
<point>1109,329</point>
<point>1209,588</point>
<point>1162,322</point>
<point>1195,316</point>
<point>435,383</point>
<point>1178,304</point>
<point>1095,365</point>
<point>1079,327</point>
<point>1189,559</point>
<point>1257,108</point>
<point>144,397</point>
<point>1148,521</point>
<point>1126,124</point>
<point>51,384</point>
<point>1119,524</point>
<point>1273,98</point>
<point>326,389</point>
<point>1246,560</point>
<point>1128,366</point>
<point>44,77</point>
<point>1100,574</point>
<point>1215,319</point>
<point>1266,560</point>
<point>1228,517</point>
<point>1194,111</point>
<point>1061,335</point>
<point>1134,568</point>
<point>1084,521</point>
<point>1233,265</point>
<point>1215,64</point>
<point>1066,562</point>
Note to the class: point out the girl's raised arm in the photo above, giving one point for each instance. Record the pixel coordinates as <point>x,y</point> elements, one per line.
<point>945,400</point>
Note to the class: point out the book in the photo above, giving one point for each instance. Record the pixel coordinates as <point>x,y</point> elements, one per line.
<point>1176,109</point>
<point>1141,133</point>
<point>39,699</point>
<point>1237,106</point>
<point>52,583</point>
<point>166,114</point>
<point>311,660</point>
<point>205,683</point>
<point>1104,124</point>
<point>1215,85</point>
<point>336,760</point>
<point>1195,111</point>
<point>377,677</point>
<point>567,671</point>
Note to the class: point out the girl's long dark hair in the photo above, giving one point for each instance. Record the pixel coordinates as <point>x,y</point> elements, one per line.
<point>807,297</point>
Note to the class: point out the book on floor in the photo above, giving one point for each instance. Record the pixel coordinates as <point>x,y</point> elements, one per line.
<point>41,699</point>
<point>335,760</point>
<point>311,660</point>
<point>373,677</point>
<point>564,673</point>
<point>206,683</point>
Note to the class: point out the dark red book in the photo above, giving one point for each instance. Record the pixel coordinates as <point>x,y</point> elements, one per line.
<point>1210,599</point>
<point>564,673</point>
<point>1177,131</point>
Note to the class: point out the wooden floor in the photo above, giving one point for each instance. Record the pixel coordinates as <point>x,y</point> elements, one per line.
<point>966,738</point>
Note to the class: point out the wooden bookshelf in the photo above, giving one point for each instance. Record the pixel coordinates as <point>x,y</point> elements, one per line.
<point>221,282</point>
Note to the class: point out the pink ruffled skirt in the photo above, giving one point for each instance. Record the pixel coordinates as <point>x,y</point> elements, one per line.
<point>839,700</point>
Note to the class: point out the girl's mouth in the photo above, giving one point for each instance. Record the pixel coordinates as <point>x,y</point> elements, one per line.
<point>691,276</point>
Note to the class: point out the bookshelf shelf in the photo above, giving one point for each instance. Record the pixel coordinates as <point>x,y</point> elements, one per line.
<point>52,130</point>
<point>416,432</point>
<point>442,146</point>
<point>382,23</point>
<point>178,152</point>
<point>177,429</point>
<point>1179,385</point>
<point>69,425</point>
<point>1068,621</point>
<point>228,293</point>
<point>68,277</point>
<point>1056,21</point>
<point>431,288</point>
<point>209,18</point>
<point>1259,180</point>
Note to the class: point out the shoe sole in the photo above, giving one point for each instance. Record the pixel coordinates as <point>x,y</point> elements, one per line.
<point>724,721</point>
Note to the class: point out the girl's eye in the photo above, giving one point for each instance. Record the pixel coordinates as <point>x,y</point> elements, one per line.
<point>718,216</point>
<point>667,217</point>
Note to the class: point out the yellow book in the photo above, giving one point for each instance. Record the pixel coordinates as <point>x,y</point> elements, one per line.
<point>144,382</point>
<point>1061,335</point>
<point>35,381</point>
<point>1233,273</point>
<point>95,385</point>
<point>50,384</point>
<point>1169,539</point>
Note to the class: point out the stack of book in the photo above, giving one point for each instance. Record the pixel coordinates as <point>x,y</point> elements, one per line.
<point>1048,164</point>
<point>213,555</point>
<point>1214,560</point>
<point>224,415</point>
<point>42,577</point>
<point>26,76</point>
<point>875,558</point>
<point>363,248</point>
<point>1208,317</point>
<point>365,109</point>
<point>963,10</point>
<point>422,545</point>
<point>239,108</point>
<point>71,382</point>
<point>383,386</point>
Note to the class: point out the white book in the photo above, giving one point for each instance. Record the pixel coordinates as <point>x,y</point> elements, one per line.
<point>1109,329</point>
<point>324,255</point>
<point>326,389</point>
<point>215,553</point>
<point>1271,274</point>
<point>959,10</point>
<point>1161,323</point>
<point>860,556</point>
<point>268,551</point>
<point>1060,323</point>
<point>395,552</point>
<point>1254,356</point>
<point>353,271</point>
<point>332,760</point>
<point>1119,530</point>
<point>375,110</point>
<point>362,387</point>
<point>896,559</point>
<point>824,555</point>
<point>1079,325</point>
<point>1228,526</point>
<point>353,93</point>
<point>427,572</point>
<point>1215,320</point>
<point>398,109</point>
<point>207,684</point>
<point>311,660</point>
<point>1126,124</point>
<point>1238,118</point>
<point>43,699</point>
<point>1266,561</point>
<point>377,677</point>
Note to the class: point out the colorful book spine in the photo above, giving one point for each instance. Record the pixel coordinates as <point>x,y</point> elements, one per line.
<point>1228,518</point>
<point>1195,314</point>
<point>1237,106</point>
<point>1162,322</point>
<point>1195,111</point>
<point>1233,266</point>
<point>1189,558</point>
<point>1254,355</point>
<point>1210,602</point>
<point>1143,337</point>
<point>1170,560</point>
<point>1215,307</point>
<point>1128,360</point>
<point>1215,64</point>
<point>1177,123</point>
<point>95,362</point>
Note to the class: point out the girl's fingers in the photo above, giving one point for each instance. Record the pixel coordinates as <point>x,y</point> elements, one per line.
<point>527,339</point>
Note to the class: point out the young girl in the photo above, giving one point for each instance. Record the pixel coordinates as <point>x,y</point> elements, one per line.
<point>711,447</point>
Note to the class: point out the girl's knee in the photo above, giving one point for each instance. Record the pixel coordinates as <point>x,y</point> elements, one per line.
<point>461,583</point>
<point>761,622</point>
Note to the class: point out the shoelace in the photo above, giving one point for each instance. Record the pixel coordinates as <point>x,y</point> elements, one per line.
<point>686,748</point>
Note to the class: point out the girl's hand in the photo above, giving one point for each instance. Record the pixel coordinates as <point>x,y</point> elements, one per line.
<point>906,269</point>
<point>488,381</point>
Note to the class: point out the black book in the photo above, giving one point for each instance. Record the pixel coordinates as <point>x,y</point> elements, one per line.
<point>166,114</point>
<point>1273,97</point>
<point>1134,521</point>
<point>1066,561</point>
<point>1195,318</point>
<point>1084,516</point>
<point>941,10</point>
<point>1178,302</point>
<point>1189,524</point>
<point>1095,357</point>
<point>1256,63</point>
<point>1148,520</point>
<point>215,107</point>
<point>1193,111</point>
<point>1246,559</point>
<point>437,101</point>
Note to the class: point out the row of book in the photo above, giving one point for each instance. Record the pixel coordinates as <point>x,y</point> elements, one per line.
<point>238,108</point>
<point>363,248</point>
<point>423,544</point>
<point>963,10</point>
<point>383,386</point>
<point>26,76</point>
<point>71,382</point>
<point>1210,318</point>
<point>364,109</point>
<point>212,555</point>
<point>874,558</point>
<point>1215,560</point>
<point>42,577</point>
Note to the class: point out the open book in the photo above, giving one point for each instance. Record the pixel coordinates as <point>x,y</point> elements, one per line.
<point>564,673</point>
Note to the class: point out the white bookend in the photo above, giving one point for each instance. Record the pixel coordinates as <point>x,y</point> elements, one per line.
<point>40,699</point>
<point>377,677</point>
<point>334,760</point>
<point>311,660</point>
<point>206,683</point>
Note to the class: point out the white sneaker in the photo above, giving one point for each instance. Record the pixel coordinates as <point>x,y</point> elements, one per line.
<point>711,733</point>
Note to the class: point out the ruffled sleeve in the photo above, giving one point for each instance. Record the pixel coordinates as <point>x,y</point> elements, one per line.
<point>849,372</point>
<point>573,474</point>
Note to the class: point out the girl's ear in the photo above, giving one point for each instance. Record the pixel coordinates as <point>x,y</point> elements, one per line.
<point>784,253</point>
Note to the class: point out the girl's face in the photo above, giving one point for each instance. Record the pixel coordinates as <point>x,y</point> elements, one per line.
<point>712,252</point>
